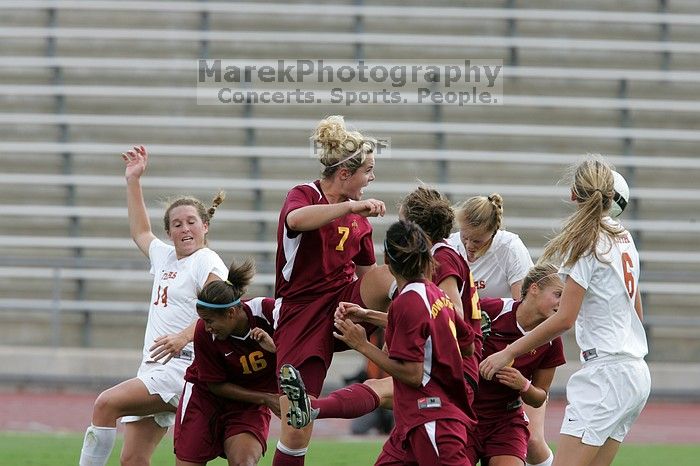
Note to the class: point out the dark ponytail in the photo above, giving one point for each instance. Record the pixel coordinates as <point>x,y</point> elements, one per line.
<point>407,250</point>
<point>222,292</point>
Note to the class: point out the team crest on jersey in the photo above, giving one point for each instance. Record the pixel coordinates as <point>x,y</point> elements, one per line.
<point>354,224</point>
<point>533,352</point>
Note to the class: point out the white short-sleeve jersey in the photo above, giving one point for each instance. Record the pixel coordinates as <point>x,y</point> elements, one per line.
<point>607,323</point>
<point>174,294</point>
<point>506,262</point>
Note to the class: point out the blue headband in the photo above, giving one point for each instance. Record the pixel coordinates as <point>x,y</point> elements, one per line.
<point>218,306</point>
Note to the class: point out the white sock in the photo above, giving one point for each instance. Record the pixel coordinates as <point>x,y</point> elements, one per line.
<point>97,445</point>
<point>290,451</point>
<point>547,462</point>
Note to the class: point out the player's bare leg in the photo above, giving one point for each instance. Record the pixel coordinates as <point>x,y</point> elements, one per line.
<point>140,441</point>
<point>538,452</point>
<point>606,453</point>
<point>384,388</point>
<point>293,443</point>
<point>571,452</point>
<point>375,287</point>
<point>243,449</point>
<point>127,398</point>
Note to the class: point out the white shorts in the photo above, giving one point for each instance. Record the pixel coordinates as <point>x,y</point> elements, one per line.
<point>164,380</point>
<point>605,398</point>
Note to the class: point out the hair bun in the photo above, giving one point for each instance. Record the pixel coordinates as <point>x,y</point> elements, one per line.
<point>331,132</point>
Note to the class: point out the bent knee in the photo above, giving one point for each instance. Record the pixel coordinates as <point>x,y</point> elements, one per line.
<point>243,459</point>
<point>296,438</point>
<point>105,406</point>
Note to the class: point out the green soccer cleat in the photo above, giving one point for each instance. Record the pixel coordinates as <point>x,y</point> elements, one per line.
<point>300,412</point>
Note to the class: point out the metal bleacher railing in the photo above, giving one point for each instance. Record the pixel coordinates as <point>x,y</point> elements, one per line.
<point>358,39</point>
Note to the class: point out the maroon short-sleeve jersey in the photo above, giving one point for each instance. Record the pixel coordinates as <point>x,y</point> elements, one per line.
<point>312,263</point>
<point>422,327</point>
<point>493,397</point>
<point>450,263</point>
<point>239,360</point>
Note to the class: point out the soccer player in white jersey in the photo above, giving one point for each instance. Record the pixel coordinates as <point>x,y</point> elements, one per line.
<point>499,262</point>
<point>147,402</point>
<point>601,297</point>
<point>498,259</point>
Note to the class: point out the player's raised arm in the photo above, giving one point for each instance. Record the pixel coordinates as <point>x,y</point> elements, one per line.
<point>136,161</point>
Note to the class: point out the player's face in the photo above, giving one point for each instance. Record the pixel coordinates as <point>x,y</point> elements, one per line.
<point>548,298</point>
<point>476,241</point>
<point>187,231</point>
<point>353,187</point>
<point>219,324</point>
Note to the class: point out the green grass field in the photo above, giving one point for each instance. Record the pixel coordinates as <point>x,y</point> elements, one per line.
<point>63,450</point>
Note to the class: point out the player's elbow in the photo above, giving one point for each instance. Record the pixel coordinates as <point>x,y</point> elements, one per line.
<point>216,388</point>
<point>536,403</point>
<point>414,379</point>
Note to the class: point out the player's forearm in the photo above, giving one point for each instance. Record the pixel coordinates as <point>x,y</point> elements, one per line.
<point>534,396</point>
<point>313,217</point>
<point>188,332</point>
<point>376,318</point>
<point>236,392</point>
<point>139,223</point>
<point>406,372</point>
<point>540,335</point>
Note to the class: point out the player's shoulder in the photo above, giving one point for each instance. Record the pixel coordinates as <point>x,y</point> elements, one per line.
<point>507,240</point>
<point>496,307</point>
<point>310,189</point>
<point>262,308</point>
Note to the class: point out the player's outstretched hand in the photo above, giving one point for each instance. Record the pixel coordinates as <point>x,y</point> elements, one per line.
<point>136,160</point>
<point>350,333</point>
<point>368,208</point>
<point>512,378</point>
<point>350,311</point>
<point>264,339</point>
<point>495,363</point>
<point>167,346</point>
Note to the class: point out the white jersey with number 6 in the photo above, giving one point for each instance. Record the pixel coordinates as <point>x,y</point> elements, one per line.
<point>607,323</point>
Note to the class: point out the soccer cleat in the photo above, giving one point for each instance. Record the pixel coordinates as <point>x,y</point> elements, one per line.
<point>300,412</point>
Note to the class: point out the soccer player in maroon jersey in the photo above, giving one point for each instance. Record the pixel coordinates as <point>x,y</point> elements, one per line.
<point>432,212</point>
<point>231,386</point>
<point>426,341</point>
<point>325,255</point>
<point>501,435</point>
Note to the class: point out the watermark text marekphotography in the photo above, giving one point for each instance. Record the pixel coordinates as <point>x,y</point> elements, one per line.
<point>280,82</point>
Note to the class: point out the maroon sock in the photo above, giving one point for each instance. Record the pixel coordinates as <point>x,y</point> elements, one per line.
<point>347,403</point>
<point>283,459</point>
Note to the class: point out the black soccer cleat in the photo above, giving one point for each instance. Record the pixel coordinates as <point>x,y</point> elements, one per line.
<point>300,412</point>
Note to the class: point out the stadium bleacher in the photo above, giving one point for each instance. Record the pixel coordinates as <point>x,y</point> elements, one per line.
<point>81,81</point>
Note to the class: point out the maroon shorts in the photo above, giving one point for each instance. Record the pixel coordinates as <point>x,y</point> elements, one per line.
<point>441,442</point>
<point>505,436</point>
<point>204,421</point>
<point>305,331</point>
